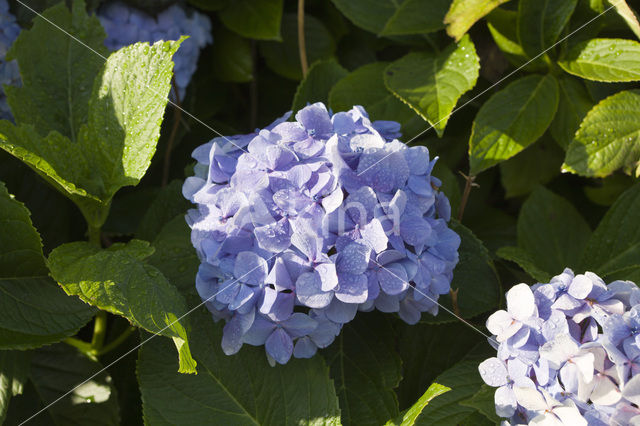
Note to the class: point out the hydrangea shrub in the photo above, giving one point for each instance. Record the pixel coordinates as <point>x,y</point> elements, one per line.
<point>9,74</point>
<point>303,223</point>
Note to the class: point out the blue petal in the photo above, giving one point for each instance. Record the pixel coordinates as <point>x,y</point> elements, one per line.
<point>279,346</point>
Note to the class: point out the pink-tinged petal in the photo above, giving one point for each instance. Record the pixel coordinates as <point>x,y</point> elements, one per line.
<point>494,372</point>
<point>520,302</point>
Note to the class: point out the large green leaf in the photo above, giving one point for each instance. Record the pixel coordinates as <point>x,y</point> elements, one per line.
<point>525,261</point>
<point>58,369</point>
<point>552,231</point>
<point>258,19</point>
<point>627,14</point>
<point>408,418</point>
<point>431,84</point>
<point>233,390</point>
<point>365,368</point>
<point>604,59</point>
<point>168,204</point>
<point>175,256</point>
<point>57,71</point>
<point>573,106</point>
<point>365,86</point>
<point>503,26</point>
<point>484,402</point>
<point>114,147</point>
<point>14,368</point>
<point>615,244</point>
<point>464,381</point>
<point>511,120</point>
<point>608,138</point>
<point>540,23</point>
<point>474,277</point>
<point>537,164</point>
<point>118,281</point>
<point>427,350</point>
<point>372,15</point>
<point>318,83</point>
<point>284,56</point>
<point>34,310</point>
<point>417,17</point>
<point>464,13</point>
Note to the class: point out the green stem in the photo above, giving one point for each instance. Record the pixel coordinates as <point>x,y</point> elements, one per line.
<point>83,347</point>
<point>94,235</point>
<point>99,331</point>
<point>117,341</point>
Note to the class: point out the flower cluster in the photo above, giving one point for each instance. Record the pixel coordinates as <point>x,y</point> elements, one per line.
<point>302,224</point>
<point>9,74</point>
<point>126,25</point>
<point>567,352</point>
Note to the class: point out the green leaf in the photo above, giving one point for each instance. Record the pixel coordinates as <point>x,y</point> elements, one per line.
<point>552,231</point>
<point>175,256</point>
<point>365,86</point>
<point>538,164</point>
<point>429,349</point>
<point>115,145</point>
<point>503,26</point>
<point>257,19</point>
<point>118,281</point>
<point>627,14</point>
<point>284,57</point>
<point>573,106</point>
<point>464,381</point>
<point>20,244</point>
<point>232,57</point>
<point>365,368</point>
<point>540,23</point>
<point>14,368</point>
<point>615,244</point>
<point>316,85</point>
<point>417,17</point>
<point>464,13</point>
<point>57,75</point>
<point>525,261</point>
<point>408,418</point>
<point>606,191</point>
<point>608,137</point>
<point>603,59</point>
<point>431,84</point>
<point>484,402</point>
<point>511,120</point>
<point>58,369</point>
<point>474,277</point>
<point>233,390</point>
<point>34,310</point>
<point>371,15</point>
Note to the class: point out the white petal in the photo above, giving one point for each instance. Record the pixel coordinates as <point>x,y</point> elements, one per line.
<point>520,302</point>
<point>530,399</point>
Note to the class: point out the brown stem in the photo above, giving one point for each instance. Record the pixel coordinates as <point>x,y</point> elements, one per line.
<point>177,114</point>
<point>301,43</point>
<point>465,195</point>
<point>454,301</point>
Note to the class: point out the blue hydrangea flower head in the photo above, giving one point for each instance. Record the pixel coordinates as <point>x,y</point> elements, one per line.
<point>9,74</point>
<point>304,223</point>
<point>126,25</point>
<point>567,352</point>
